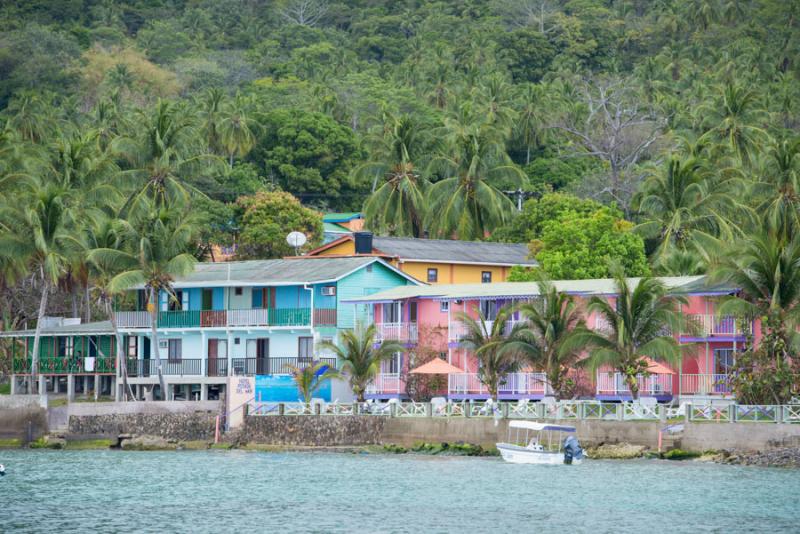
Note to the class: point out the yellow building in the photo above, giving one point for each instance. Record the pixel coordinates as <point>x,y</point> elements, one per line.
<point>435,261</point>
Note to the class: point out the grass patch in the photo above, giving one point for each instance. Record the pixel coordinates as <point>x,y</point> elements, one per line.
<point>55,403</point>
<point>453,449</point>
<point>394,449</point>
<point>221,446</point>
<point>193,445</point>
<point>5,389</point>
<point>679,454</point>
<point>10,443</point>
<point>90,444</point>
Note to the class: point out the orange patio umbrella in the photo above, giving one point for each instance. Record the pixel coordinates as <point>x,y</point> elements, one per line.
<point>436,366</point>
<point>658,369</point>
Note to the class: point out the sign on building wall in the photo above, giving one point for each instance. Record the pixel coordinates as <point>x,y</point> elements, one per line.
<point>241,389</point>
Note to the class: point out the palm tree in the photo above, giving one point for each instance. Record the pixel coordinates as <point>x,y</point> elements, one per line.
<point>550,336</point>
<point>397,207</point>
<point>684,199</point>
<point>640,322</point>
<point>155,241</point>
<point>466,203</point>
<point>167,147</point>
<point>734,112</point>
<point>310,378</point>
<point>105,233</point>
<point>488,343</point>
<point>36,228</point>
<point>236,130</point>
<point>361,358</point>
<point>766,269</point>
<point>780,187</point>
<point>530,124</point>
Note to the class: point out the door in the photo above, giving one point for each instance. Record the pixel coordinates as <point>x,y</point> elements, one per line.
<point>145,369</point>
<point>208,299</point>
<point>305,350</point>
<point>213,348</point>
<point>258,356</point>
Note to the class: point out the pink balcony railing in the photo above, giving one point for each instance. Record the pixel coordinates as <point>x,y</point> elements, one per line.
<point>705,384</point>
<point>387,384</point>
<point>403,332</point>
<point>610,383</point>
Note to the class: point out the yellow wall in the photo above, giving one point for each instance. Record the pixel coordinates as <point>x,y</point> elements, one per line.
<point>449,273</point>
<point>453,273</point>
<point>346,248</point>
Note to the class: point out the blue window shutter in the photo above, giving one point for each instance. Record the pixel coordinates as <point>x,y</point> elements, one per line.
<point>257,300</point>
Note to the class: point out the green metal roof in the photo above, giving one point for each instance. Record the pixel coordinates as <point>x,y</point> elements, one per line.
<point>96,328</point>
<point>341,217</point>
<point>603,286</point>
<point>333,228</point>
<point>308,270</point>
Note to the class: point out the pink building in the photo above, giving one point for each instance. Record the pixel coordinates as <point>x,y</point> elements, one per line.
<point>424,318</point>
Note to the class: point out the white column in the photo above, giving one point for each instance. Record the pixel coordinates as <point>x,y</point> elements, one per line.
<point>203,392</point>
<point>203,354</point>
<point>13,384</point>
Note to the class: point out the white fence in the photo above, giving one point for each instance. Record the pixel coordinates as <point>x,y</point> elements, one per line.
<point>403,332</point>
<point>512,384</point>
<point>705,384</point>
<point>133,319</point>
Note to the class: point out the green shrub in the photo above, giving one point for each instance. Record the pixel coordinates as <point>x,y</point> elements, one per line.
<point>678,454</point>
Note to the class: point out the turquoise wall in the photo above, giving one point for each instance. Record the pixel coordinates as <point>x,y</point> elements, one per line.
<point>359,284</point>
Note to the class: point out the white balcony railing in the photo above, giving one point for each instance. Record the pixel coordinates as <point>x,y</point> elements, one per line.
<point>458,330</point>
<point>711,325</point>
<point>386,383</point>
<point>512,384</point>
<point>705,384</point>
<point>610,383</point>
<point>253,317</point>
<point>403,332</point>
<point>133,319</point>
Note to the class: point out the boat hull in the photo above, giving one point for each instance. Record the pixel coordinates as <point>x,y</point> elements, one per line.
<point>520,455</point>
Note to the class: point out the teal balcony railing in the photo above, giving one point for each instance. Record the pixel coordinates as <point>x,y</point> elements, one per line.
<point>225,318</point>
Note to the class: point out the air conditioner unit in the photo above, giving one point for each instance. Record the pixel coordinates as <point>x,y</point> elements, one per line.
<point>328,291</point>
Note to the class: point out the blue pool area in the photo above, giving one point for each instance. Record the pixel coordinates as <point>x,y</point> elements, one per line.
<point>282,388</point>
<point>238,491</point>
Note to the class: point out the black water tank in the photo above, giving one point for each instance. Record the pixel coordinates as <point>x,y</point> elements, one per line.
<point>363,242</point>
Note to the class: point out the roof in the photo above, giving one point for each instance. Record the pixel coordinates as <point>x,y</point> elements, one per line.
<point>443,250</point>
<point>341,217</point>
<point>333,228</point>
<point>452,251</point>
<point>533,425</point>
<point>596,287</point>
<point>278,272</point>
<point>96,328</point>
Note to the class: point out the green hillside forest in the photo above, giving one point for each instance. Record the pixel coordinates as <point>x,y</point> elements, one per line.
<point>659,135</point>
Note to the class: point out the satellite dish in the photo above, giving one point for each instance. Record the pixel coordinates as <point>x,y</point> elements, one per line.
<point>296,240</point>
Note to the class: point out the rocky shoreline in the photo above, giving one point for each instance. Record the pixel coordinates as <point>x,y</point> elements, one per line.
<point>787,457</point>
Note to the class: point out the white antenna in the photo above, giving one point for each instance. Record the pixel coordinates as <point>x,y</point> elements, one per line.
<point>296,240</point>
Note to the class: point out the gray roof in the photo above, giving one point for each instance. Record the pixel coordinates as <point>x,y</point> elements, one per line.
<point>451,251</point>
<point>307,270</point>
<point>96,328</point>
<point>603,286</point>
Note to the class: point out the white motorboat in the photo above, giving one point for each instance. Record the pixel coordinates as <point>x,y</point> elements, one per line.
<point>540,449</point>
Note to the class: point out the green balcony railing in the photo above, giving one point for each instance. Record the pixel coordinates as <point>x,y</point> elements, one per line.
<point>179,319</point>
<point>64,365</point>
<point>223,318</point>
<point>289,316</point>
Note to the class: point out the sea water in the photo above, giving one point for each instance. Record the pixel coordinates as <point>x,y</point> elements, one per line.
<point>239,491</point>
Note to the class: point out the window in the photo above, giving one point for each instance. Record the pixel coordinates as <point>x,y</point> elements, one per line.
<point>391,313</point>
<point>489,309</point>
<point>444,306</point>
<point>176,303</point>
<point>237,291</point>
<point>394,364</point>
<point>725,360</point>
<point>412,312</point>
<point>65,346</point>
<point>486,277</point>
<point>174,349</point>
<point>305,349</point>
<point>433,275</point>
<point>237,341</point>
<point>369,268</point>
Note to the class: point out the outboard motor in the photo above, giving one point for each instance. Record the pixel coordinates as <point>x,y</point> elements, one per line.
<point>572,450</point>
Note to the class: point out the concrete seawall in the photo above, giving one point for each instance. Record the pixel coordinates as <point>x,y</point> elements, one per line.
<point>22,418</point>
<point>312,430</point>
